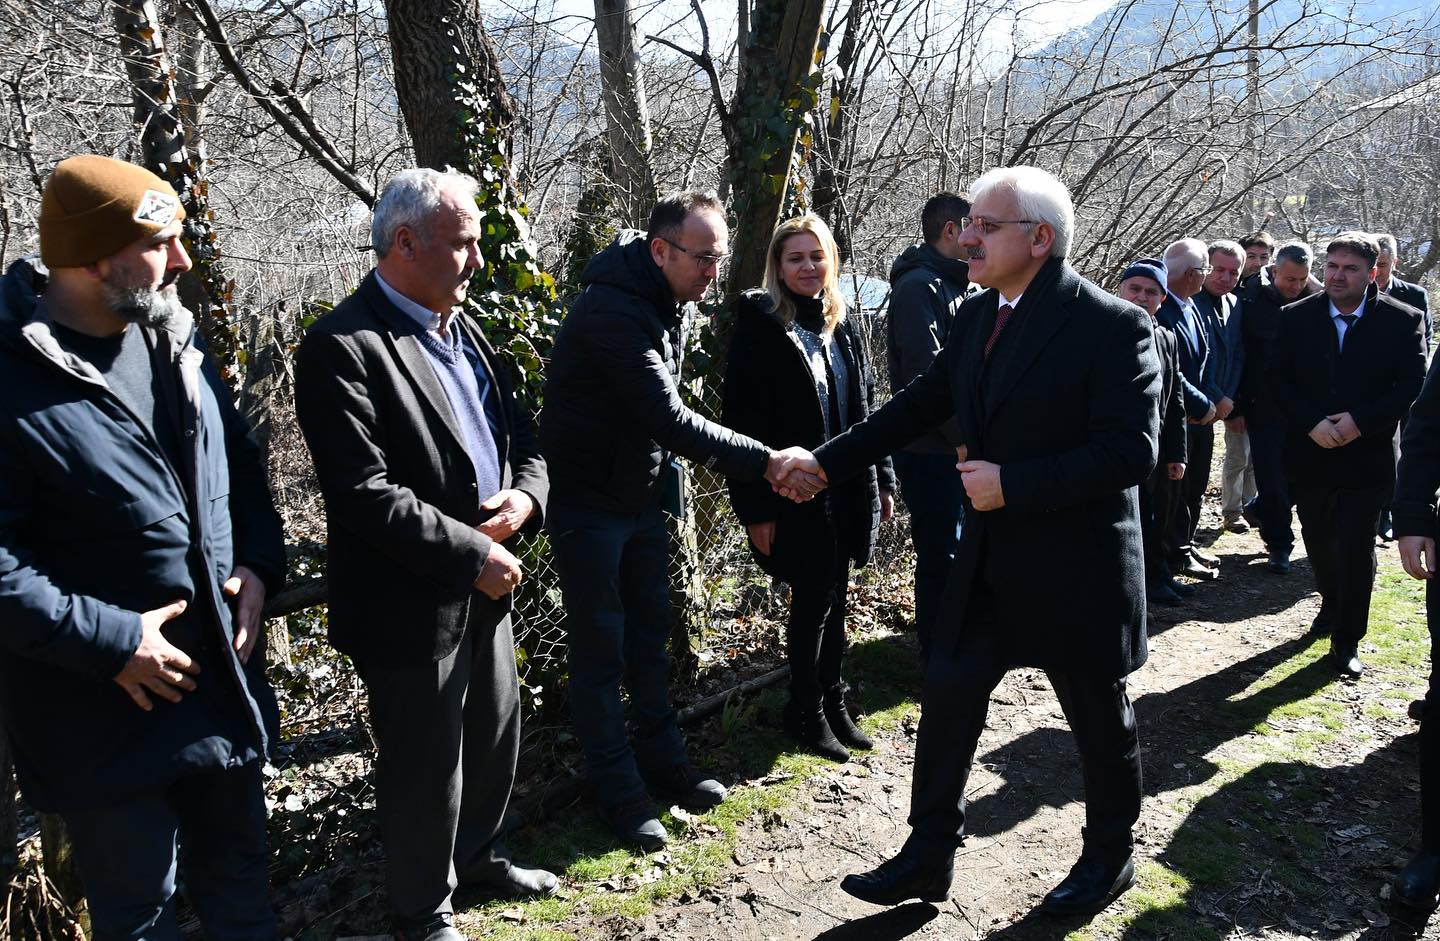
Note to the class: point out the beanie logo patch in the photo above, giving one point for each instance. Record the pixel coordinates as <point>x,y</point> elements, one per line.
<point>156,208</point>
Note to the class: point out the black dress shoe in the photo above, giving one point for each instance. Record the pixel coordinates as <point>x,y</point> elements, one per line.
<point>1205,559</point>
<point>1092,884</point>
<point>1181,589</point>
<point>518,882</point>
<point>907,876</point>
<point>1346,659</point>
<point>1279,561</point>
<point>1191,567</point>
<point>688,786</point>
<point>1161,594</point>
<point>636,823</point>
<point>1419,882</point>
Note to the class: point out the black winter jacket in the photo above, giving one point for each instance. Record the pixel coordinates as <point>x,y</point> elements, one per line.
<point>612,414</point>
<point>770,395</point>
<point>97,525</point>
<point>926,289</point>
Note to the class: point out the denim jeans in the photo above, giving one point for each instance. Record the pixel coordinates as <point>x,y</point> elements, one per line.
<point>934,495</point>
<point>127,854</point>
<point>614,575</point>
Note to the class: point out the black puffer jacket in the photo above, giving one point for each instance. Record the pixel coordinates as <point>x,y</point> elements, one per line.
<point>770,394</point>
<point>926,289</point>
<point>612,414</point>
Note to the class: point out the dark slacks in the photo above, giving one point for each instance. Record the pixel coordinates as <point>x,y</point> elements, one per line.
<point>1338,526</point>
<point>614,575</point>
<point>1430,731</point>
<point>127,854</point>
<point>1200,451</point>
<point>449,737</point>
<point>1158,499</point>
<point>955,700</point>
<point>1272,486</point>
<point>815,634</point>
<point>934,494</point>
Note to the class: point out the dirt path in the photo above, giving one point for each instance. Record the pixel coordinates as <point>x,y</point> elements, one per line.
<point>1279,800</point>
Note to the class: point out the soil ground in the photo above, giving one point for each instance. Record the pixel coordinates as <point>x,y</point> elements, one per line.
<point>1280,800</point>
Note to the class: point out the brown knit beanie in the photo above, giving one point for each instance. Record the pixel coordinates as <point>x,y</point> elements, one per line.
<point>93,206</point>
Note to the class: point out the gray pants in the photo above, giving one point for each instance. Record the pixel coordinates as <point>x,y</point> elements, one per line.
<point>449,737</point>
<point>1237,476</point>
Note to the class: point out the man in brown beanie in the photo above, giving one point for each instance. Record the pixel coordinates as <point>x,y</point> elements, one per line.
<point>138,543</point>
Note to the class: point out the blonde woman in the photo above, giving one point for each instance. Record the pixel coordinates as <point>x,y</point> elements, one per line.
<point>798,375</point>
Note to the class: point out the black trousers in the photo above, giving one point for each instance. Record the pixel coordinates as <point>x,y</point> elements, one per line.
<point>955,701</point>
<point>815,633</point>
<point>1158,499</point>
<point>1338,526</point>
<point>1430,731</point>
<point>449,737</point>
<point>1272,487</point>
<point>1200,450</point>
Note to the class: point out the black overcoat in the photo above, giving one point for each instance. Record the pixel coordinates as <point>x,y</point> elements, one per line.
<point>401,503</point>
<point>1073,422</point>
<point>1375,379</point>
<point>770,396</point>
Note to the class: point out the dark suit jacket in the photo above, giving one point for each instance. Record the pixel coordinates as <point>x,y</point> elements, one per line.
<point>1416,297</point>
<point>1072,418</point>
<point>1375,379</point>
<point>400,494</point>
<point>1418,476</point>
<point>1193,344</point>
<point>1173,443</point>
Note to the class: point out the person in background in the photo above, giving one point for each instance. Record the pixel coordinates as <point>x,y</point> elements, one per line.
<point>1258,247</point>
<point>1417,297</point>
<point>1220,309</point>
<point>927,286</point>
<point>797,374</point>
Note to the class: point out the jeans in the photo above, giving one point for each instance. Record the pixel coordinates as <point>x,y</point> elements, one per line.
<point>934,495</point>
<point>127,854</point>
<point>1237,476</point>
<point>614,575</point>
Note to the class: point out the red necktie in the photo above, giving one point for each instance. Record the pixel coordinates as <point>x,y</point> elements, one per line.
<point>1002,317</point>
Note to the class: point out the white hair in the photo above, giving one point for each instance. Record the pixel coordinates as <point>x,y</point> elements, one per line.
<point>410,199</point>
<point>1184,254</point>
<point>1039,197</point>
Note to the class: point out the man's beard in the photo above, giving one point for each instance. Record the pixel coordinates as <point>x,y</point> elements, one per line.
<point>143,305</point>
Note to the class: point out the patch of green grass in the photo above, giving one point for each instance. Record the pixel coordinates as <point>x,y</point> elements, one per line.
<point>1156,907</point>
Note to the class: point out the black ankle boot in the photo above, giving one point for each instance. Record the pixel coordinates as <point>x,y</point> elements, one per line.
<point>807,725</point>
<point>838,715</point>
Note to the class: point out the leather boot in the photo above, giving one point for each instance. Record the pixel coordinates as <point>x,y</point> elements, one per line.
<point>837,714</point>
<point>807,725</point>
<point>908,876</point>
<point>1104,871</point>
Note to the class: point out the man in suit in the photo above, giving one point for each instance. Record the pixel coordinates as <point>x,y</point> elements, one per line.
<point>1407,293</point>
<point>927,286</point>
<point>1347,364</point>
<point>1220,309</point>
<point>1142,283</point>
<point>1056,388</point>
<point>1263,295</point>
<point>1187,263</point>
<point>429,470</point>
<point>1416,482</point>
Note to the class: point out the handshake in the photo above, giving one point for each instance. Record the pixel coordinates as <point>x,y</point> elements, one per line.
<point>795,474</point>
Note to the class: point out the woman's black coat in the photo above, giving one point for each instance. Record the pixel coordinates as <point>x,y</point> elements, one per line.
<point>770,395</point>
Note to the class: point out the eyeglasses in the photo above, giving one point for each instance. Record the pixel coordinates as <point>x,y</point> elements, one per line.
<point>706,259</point>
<point>988,226</point>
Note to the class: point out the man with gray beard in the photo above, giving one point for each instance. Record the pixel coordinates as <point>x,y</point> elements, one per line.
<point>138,544</point>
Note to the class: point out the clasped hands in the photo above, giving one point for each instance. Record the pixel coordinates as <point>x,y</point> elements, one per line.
<point>1335,431</point>
<point>502,572</point>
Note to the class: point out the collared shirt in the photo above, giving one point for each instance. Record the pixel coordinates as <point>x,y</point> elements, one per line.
<point>1341,327</point>
<point>424,316</point>
<point>1014,305</point>
<point>1385,288</point>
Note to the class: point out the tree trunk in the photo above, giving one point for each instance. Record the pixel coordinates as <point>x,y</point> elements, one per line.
<point>777,94</point>
<point>829,159</point>
<point>168,151</point>
<point>438,47</point>
<point>627,116</point>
